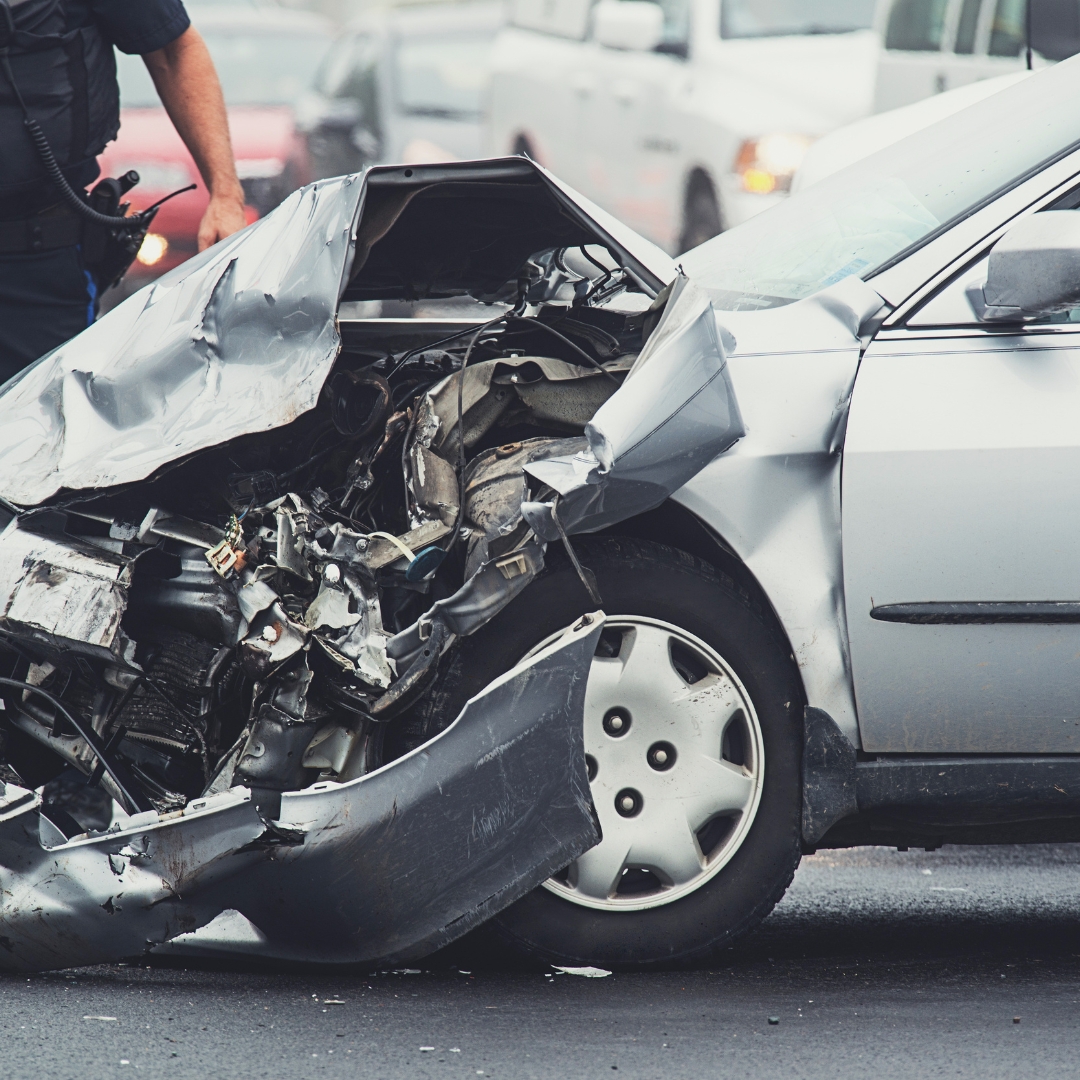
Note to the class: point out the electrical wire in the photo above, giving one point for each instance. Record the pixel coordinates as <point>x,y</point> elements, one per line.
<point>435,344</point>
<point>120,776</point>
<point>566,341</point>
<point>461,431</point>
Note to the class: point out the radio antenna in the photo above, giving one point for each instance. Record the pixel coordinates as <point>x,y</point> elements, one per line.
<point>1027,30</point>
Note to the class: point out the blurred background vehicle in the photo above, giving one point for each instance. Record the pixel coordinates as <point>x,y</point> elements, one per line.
<point>265,57</point>
<point>403,84</point>
<point>935,45</point>
<point>853,142</point>
<point>682,117</point>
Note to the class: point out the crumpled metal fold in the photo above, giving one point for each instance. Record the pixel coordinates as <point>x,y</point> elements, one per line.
<point>236,340</point>
<point>673,414</point>
<point>477,602</point>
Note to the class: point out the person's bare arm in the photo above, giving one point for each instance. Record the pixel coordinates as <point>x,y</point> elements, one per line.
<point>191,93</point>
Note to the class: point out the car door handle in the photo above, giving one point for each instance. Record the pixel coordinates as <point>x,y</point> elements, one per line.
<point>625,92</point>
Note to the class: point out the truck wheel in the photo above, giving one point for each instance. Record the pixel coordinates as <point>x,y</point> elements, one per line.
<point>523,148</point>
<point>701,215</point>
<point>692,737</point>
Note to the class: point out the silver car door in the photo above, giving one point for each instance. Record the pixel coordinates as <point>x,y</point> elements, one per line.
<point>961,539</point>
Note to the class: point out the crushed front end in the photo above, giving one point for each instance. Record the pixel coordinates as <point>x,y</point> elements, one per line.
<point>242,535</point>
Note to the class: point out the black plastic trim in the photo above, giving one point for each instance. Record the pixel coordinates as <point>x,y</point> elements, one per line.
<point>979,612</point>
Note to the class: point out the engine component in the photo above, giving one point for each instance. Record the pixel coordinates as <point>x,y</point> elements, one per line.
<point>272,758</point>
<point>64,594</point>
<point>196,599</point>
<point>360,402</point>
<point>176,718</point>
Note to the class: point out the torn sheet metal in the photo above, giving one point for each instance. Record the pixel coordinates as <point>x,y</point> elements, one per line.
<point>674,413</point>
<point>477,602</point>
<point>236,340</point>
<point>63,594</point>
<point>406,858</point>
<point>774,498</point>
<point>86,901</point>
<point>549,389</point>
<point>414,855</point>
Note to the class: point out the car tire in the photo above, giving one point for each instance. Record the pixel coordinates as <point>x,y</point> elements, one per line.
<point>701,214</point>
<point>655,594</point>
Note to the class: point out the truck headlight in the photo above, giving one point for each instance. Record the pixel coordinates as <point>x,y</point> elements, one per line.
<point>768,164</point>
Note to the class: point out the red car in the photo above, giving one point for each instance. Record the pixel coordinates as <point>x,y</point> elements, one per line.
<point>265,58</point>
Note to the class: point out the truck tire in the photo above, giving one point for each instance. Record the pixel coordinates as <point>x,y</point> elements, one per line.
<point>701,214</point>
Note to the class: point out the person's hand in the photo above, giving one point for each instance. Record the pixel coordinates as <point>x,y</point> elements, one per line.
<point>223,217</point>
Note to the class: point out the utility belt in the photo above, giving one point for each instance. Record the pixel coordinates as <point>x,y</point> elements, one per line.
<point>109,243</point>
<point>56,227</point>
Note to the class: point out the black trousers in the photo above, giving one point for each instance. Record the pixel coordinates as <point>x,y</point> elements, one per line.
<point>45,298</point>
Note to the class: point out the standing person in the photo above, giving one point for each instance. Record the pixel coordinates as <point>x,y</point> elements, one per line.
<point>57,67</point>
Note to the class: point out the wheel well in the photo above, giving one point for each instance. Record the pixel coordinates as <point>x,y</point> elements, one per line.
<point>678,527</point>
<point>699,184</point>
<point>697,180</point>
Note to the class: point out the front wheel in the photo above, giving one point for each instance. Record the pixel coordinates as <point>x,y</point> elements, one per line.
<point>692,739</point>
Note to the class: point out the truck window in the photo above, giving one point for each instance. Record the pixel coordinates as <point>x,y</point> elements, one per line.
<point>1007,32</point>
<point>562,18</point>
<point>967,26</point>
<point>1055,28</point>
<point>778,18</point>
<point>916,25</point>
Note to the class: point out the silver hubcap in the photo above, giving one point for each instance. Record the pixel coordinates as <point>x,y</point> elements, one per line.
<point>675,758</point>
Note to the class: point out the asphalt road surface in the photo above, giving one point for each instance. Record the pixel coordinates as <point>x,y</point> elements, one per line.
<point>877,963</point>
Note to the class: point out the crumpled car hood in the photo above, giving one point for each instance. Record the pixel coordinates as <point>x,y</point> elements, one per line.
<point>237,340</point>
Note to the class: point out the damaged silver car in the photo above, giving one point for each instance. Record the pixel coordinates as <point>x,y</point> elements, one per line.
<point>436,551</point>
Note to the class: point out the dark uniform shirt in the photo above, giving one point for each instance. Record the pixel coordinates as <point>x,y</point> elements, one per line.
<point>133,26</point>
<point>48,296</point>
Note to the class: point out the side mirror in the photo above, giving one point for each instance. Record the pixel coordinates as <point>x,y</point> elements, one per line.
<point>628,24</point>
<point>1034,270</point>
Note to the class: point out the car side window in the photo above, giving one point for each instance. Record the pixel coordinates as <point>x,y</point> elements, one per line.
<point>349,71</point>
<point>916,25</point>
<point>967,26</point>
<point>335,68</point>
<point>954,304</point>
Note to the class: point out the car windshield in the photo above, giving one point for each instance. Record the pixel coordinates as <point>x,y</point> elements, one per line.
<point>256,67</point>
<point>865,216</point>
<point>442,76</point>
<point>776,18</point>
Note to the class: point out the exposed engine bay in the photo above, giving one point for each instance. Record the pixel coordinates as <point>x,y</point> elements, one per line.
<point>262,616</point>
<point>261,612</point>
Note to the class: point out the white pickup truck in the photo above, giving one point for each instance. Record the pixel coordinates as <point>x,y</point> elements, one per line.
<point>682,117</point>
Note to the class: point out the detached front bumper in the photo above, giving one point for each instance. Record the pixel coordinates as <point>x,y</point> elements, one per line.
<point>384,868</point>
